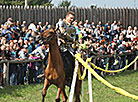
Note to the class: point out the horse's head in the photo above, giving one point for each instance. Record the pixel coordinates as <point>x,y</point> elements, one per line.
<point>48,36</point>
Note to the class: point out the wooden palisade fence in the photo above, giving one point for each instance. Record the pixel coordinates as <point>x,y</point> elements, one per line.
<point>128,16</point>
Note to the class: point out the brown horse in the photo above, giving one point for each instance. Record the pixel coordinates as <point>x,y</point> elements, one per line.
<point>54,73</point>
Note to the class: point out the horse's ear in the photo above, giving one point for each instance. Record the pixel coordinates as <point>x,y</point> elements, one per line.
<point>45,32</point>
<point>41,34</point>
<point>53,31</point>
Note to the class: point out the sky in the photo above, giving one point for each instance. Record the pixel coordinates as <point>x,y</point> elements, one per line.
<point>101,3</point>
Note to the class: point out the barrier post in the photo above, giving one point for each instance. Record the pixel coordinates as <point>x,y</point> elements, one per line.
<point>73,82</point>
<point>90,86</point>
<point>90,82</point>
<point>82,89</point>
<point>6,73</point>
<point>135,65</point>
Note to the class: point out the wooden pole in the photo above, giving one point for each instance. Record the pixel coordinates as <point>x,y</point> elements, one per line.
<point>82,92</point>
<point>90,87</point>
<point>6,74</point>
<point>73,82</point>
<point>26,3</point>
<point>90,82</point>
<point>135,65</point>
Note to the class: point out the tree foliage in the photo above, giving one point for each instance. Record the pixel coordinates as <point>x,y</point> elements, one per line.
<point>65,3</point>
<point>30,2</point>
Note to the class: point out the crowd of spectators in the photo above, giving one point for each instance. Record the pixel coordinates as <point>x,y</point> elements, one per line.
<point>19,42</point>
<point>107,39</point>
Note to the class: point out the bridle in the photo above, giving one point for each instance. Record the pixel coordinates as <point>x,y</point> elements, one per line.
<point>47,38</point>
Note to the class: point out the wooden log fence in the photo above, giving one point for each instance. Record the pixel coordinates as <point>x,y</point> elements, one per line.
<point>6,63</point>
<point>128,16</point>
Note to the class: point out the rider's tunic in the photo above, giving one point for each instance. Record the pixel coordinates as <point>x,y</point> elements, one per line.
<point>67,32</point>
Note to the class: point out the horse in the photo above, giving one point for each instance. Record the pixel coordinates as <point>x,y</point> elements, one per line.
<point>55,71</point>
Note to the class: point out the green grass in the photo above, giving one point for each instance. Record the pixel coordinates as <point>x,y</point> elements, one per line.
<point>101,93</point>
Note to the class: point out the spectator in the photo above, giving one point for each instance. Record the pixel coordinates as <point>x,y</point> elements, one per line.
<point>114,26</point>
<point>13,29</point>
<point>39,51</point>
<point>93,26</point>
<point>130,33</point>
<point>18,26</point>
<point>7,33</point>
<point>135,32</point>
<point>80,25</point>
<point>23,32</point>
<point>28,34</point>
<point>46,25</point>
<point>23,24</point>
<point>32,26</point>
<point>1,67</point>
<point>22,68</point>
<point>86,24</point>
<point>40,26</point>
<point>31,46</point>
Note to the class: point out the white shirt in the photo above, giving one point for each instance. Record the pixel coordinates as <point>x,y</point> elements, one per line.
<point>22,54</point>
<point>32,26</point>
<point>38,52</point>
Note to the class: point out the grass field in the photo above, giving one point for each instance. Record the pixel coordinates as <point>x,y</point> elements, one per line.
<point>32,93</point>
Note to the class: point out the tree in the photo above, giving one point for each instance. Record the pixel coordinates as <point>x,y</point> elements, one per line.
<point>30,2</point>
<point>65,3</point>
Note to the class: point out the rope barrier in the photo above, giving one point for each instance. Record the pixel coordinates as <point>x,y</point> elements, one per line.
<point>117,89</point>
<point>84,72</point>
<point>113,71</point>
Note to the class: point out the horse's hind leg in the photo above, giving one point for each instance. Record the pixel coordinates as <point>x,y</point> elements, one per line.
<point>46,85</point>
<point>78,90</point>
<point>61,89</point>
<point>58,95</point>
<point>78,87</point>
<point>64,96</point>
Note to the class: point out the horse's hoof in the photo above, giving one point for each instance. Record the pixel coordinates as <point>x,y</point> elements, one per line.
<point>43,100</point>
<point>43,93</point>
<point>58,100</point>
<point>65,101</point>
<point>66,98</point>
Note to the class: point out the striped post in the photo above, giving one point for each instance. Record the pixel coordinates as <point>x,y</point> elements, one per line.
<point>90,86</point>
<point>73,82</point>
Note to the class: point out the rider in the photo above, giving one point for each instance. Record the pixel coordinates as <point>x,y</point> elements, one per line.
<point>66,37</point>
<point>66,32</point>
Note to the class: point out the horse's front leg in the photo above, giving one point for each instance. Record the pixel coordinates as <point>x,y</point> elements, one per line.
<point>46,85</point>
